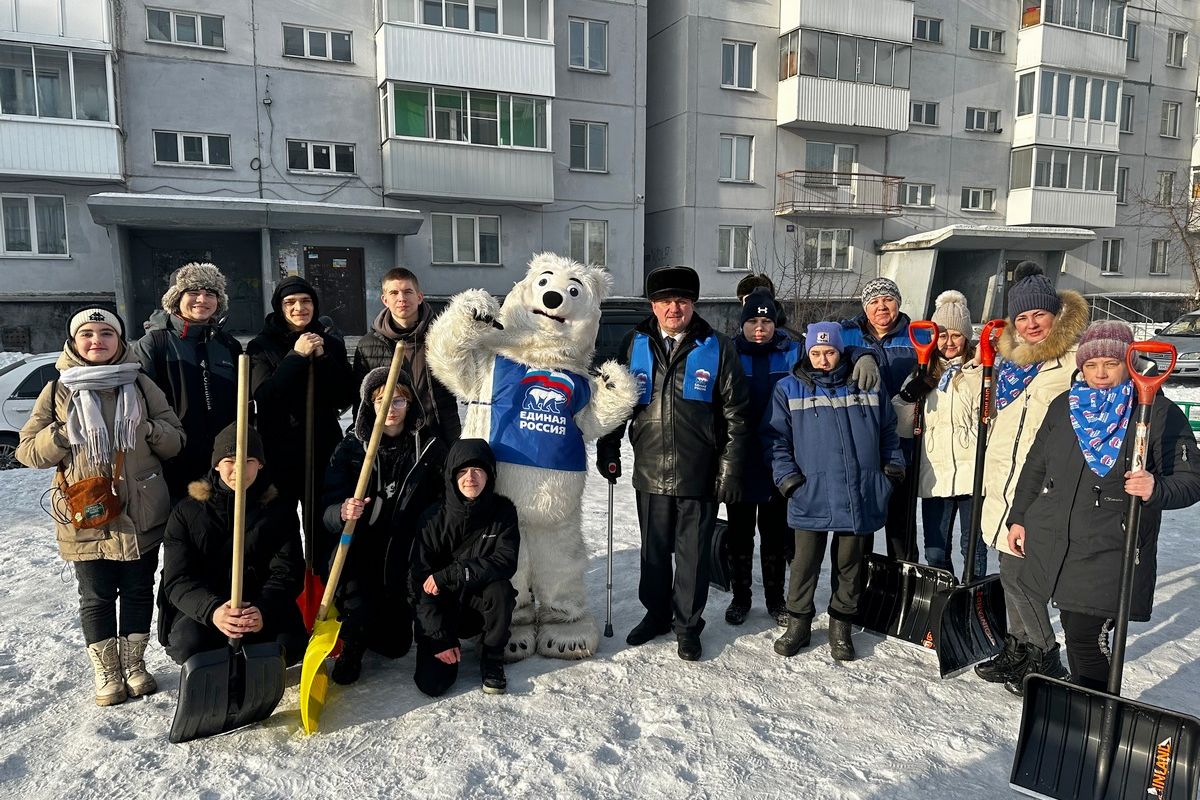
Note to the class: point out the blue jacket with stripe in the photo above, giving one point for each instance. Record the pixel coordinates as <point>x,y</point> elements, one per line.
<point>894,352</point>
<point>765,365</point>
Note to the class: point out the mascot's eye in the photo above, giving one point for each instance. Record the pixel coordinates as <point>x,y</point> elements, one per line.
<point>543,281</point>
<point>574,291</point>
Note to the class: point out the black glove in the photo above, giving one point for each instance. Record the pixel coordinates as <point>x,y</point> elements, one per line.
<point>608,463</point>
<point>729,491</point>
<point>791,483</point>
<point>917,387</point>
<point>895,472</point>
<point>449,579</point>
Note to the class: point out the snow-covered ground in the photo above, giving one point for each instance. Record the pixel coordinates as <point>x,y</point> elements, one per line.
<point>630,722</point>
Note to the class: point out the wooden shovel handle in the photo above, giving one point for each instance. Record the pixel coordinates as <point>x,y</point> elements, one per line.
<point>239,472</point>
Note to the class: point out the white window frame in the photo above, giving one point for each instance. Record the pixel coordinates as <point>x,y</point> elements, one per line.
<point>929,24</point>
<point>418,18</point>
<point>1125,114</point>
<point>1176,48</point>
<point>979,35</point>
<point>827,242</point>
<point>179,150</point>
<point>31,210</point>
<point>1122,186</point>
<point>328,33</point>
<point>454,218</point>
<point>1164,187</point>
<point>1168,121</point>
<point>990,117</point>
<point>74,118</point>
<point>1110,256</point>
<point>919,113</point>
<point>587,228</point>
<point>309,145</point>
<point>727,239</point>
<point>737,79</point>
<point>917,195</point>
<point>1160,253</point>
<point>734,139</point>
<point>1131,39</point>
<point>388,96</point>
<point>590,127</point>
<point>970,193</point>
<point>174,40</point>
<point>587,25</point>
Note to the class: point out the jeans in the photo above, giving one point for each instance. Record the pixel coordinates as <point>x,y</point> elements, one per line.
<point>102,583</point>
<point>937,515</point>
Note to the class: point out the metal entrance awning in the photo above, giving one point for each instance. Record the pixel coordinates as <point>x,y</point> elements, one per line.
<point>993,237</point>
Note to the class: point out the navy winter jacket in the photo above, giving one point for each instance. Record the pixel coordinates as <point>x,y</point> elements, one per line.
<point>894,352</point>
<point>764,364</point>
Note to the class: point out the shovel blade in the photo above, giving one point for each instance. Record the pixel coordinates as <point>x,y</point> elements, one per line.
<point>902,599</point>
<point>718,565</point>
<point>972,625</point>
<point>1154,752</point>
<point>309,600</point>
<point>314,679</point>
<point>223,690</point>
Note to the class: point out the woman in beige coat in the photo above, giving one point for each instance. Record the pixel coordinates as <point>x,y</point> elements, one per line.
<point>103,418</point>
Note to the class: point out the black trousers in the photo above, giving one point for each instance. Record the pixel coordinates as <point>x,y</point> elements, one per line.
<point>775,548</point>
<point>683,525</point>
<point>1087,647</point>
<point>847,577</point>
<point>103,583</point>
<point>488,611</point>
<point>375,610</point>
<point>188,637</point>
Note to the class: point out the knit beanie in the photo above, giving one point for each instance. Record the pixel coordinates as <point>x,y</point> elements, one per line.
<point>880,287</point>
<point>95,314</point>
<point>950,312</point>
<point>294,284</point>
<point>1031,291</point>
<point>225,445</point>
<point>828,334</point>
<point>1106,338</point>
<point>759,303</point>
<point>196,275</point>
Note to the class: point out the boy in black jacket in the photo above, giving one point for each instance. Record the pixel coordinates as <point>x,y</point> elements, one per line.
<point>462,562</point>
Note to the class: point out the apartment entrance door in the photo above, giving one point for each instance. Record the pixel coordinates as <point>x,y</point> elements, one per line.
<point>337,275</point>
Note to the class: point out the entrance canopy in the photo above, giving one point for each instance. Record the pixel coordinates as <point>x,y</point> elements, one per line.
<point>993,237</point>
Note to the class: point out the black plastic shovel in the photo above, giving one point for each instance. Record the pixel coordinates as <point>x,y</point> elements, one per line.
<point>1085,744</point>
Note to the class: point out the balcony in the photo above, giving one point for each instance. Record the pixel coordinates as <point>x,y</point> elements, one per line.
<point>808,193</point>
<point>1070,49</point>
<point>876,19</point>
<point>441,57</point>
<point>415,168</point>
<point>822,103</point>
<point>1066,132</point>
<point>1081,209</point>
<point>49,148</point>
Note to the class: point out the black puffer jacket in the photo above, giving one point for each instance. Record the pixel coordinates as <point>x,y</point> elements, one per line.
<point>686,448</point>
<point>375,350</point>
<point>198,556</point>
<point>464,544</point>
<point>1074,519</point>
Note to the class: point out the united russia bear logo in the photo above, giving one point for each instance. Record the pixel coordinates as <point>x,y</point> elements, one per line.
<point>547,391</point>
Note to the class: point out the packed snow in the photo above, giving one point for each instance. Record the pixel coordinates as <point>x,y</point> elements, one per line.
<point>629,722</point>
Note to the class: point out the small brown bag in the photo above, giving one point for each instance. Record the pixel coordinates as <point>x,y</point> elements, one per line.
<point>92,502</point>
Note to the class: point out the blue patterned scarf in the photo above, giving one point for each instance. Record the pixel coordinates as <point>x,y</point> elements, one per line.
<point>1012,380</point>
<point>1100,418</point>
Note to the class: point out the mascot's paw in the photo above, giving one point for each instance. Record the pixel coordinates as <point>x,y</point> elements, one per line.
<point>521,643</point>
<point>478,306</point>
<point>577,639</point>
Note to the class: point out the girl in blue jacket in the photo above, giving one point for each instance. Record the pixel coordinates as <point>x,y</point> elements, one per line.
<point>835,455</point>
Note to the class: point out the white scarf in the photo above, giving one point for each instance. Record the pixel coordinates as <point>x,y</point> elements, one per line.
<point>86,430</point>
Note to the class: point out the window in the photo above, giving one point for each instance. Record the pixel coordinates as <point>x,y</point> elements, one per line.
<point>1110,256</point>
<point>1131,40</point>
<point>927,29</point>
<point>588,44</point>
<point>736,157</point>
<point>1168,125</point>
<point>1059,168</point>
<point>829,164</point>
<point>983,119</point>
<point>987,39</point>
<point>737,65</point>
<point>845,58</point>
<point>316,43</point>
<point>1098,16</point>
<point>589,146</point>
<point>589,241</point>
<point>925,113</point>
<point>464,239</point>
<point>1176,48</point>
<point>1158,256</point>
<point>1025,84</point>
<point>789,53</point>
<point>320,157</point>
<point>191,149</point>
<point>733,247</point>
<point>1165,190</point>
<point>916,194</point>
<point>33,225</point>
<point>1122,185</point>
<point>521,18</point>
<point>1077,96</point>
<point>976,199</point>
<point>178,27</point>
<point>70,84</point>
<point>827,248</point>
<point>457,115</point>
<point>1126,113</point>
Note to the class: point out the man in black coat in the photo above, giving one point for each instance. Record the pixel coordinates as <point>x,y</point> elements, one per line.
<point>690,441</point>
<point>406,317</point>
<point>194,613</point>
<point>462,567</point>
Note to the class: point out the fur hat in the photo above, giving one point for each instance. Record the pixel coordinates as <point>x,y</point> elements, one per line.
<point>827,334</point>
<point>1031,291</point>
<point>225,445</point>
<point>759,303</point>
<point>196,275</point>
<point>373,381</point>
<point>753,282</point>
<point>673,282</point>
<point>951,313</point>
<point>880,287</point>
<point>1105,338</point>
<point>95,314</point>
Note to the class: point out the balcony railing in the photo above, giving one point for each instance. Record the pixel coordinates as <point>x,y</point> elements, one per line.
<point>803,192</point>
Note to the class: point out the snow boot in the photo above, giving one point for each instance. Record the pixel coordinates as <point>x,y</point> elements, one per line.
<point>840,646</point>
<point>110,682</point>
<point>491,664</point>
<point>1001,668</point>
<point>138,682</point>
<point>737,611</point>
<point>348,667</point>
<point>1037,662</point>
<point>797,637</point>
<point>646,630</point>
<point>780,614</point>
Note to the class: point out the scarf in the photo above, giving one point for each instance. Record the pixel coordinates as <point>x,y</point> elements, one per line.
<point>1100,418</point>
<point>1012,380</point>
<point>86,430</point>
<point>953,367</point>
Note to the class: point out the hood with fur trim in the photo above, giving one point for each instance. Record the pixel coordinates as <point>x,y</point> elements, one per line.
<point>204,489</point>
<point>1069,325</point>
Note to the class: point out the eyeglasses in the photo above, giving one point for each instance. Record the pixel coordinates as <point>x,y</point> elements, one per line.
<point>397,402</point>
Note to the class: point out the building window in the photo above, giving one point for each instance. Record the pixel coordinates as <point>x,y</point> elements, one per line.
<point>1078,96</point>
<point>737,156</point>
<point>1097,16</point>
<point>70,84</point>
<point>1110,256</point>
<point>588,44</point>
<point>829,164</point>
<point>1165,191</point>
<point>457,115</point>
<point>191,149</point>
<point>465,239</point>
<point>789,55</point>
<point>1158,256</point>
<point>987,39</point>
<point>1126,113</point>
<point>827,248</point>
<point>927,29</point>
<point>1025,86</point>
<point>918,195</point>
<point>977,199</point>
<point>320,157</point>
<point>986,120</point>
<point>1122,185</point>
<point>526,19</point>
<point>589,146</point>
<point>1131,40</point>
<point>1168,125</point>
<point>733,247</point>
<point>179,27</point>
<point>589,241</point>
<point>925,113</point>
<point>316,43</point>
<point>1176,48</point>
<point>821,54</point>
<point>737,65</point>
<point>33,225</point>
<point>1059,168</point>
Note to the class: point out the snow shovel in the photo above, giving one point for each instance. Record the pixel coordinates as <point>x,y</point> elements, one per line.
<point>314,680</point>
<point>222,690</point>
<point>608,628</point>
<point>1092,745</point>
<point>310,596</point>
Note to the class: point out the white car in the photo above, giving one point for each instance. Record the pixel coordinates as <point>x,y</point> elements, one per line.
<point>20,384</point>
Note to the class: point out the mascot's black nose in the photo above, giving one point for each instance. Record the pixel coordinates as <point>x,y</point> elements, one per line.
<point>552,299</point>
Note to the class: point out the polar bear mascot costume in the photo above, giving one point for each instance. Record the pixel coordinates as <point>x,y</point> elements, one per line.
<point>523,368</point>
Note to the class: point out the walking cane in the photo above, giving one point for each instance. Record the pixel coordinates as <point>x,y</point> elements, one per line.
<point>608,629</point>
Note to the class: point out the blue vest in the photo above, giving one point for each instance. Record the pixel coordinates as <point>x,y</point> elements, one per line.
<point>700,369</point>
<point>781,361</point>
<point>533,416</point>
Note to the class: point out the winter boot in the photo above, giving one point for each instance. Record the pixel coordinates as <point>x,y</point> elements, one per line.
<point>106,661</point>
<point>348,667</point>
<point>1037,662</point>
<point>797,637</point>
<point>689,647</point>
<point>774,566</point>
<point>840,646</point>
<point>646,630</point>
<point>737,611</point>
<point>1000,669</point>
<point>491,664</point>
<point>780,614</point>
<point>138,682</point>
